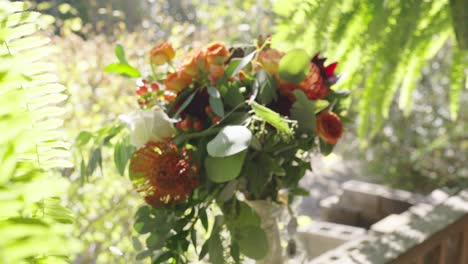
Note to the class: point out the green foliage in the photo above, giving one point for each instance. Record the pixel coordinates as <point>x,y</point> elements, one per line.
<point>34,225</point>
<point>272,118</point>
<point>229,141</point>
<point>294,66</point>
<point>224,169</point>
<point>303,110</point>
<point>381,46</point>
<point>122,67</point>
<point>426,149</point>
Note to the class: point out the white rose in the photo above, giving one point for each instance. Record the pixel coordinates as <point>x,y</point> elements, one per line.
<point>148,125</point>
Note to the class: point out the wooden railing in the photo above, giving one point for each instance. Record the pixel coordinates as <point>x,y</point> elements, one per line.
<point>439,236</point>
<point>447,246</point>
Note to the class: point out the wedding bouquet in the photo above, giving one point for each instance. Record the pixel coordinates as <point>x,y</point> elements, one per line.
<point>219,129</point>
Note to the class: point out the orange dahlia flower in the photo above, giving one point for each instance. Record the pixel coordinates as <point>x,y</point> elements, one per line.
<point>329,126</point>
<point>163,174</point>
<point>162,53</point>
<point>216,53</point>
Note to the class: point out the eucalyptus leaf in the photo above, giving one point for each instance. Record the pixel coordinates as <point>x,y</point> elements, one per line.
<point>215,101</point>
<point>224,169</point>
<point>294,66</point>
<point>229,141</point>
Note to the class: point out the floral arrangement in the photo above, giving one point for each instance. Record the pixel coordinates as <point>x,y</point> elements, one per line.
<point>216,131</point>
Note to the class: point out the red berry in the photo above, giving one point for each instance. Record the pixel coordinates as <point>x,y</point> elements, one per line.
<point>185,124</point>
<point>154,86</point>
<point>142,90</point>
<point>169,96</point>
<point>197,125</point>
<point>215,119</point>
<point>208,110</point>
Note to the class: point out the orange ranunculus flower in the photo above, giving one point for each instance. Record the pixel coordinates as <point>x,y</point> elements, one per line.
<point>177,81</point>
<point>162,53</point>
<point>216,72</point>
<point>194,64</point>
<point>269,59</point>
<point>216,53</point>
<point>329,126</point>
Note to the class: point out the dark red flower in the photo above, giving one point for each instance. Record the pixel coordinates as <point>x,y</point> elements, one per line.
<point>163,173</point>
<point>327,72</point>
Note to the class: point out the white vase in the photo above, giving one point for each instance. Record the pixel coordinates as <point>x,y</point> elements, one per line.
<point>269,213</point>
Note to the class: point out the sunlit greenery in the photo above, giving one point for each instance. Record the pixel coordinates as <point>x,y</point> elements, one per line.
<point>406,62</point>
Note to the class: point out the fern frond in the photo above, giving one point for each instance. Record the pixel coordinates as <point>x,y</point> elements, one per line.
<point>382,46</point>
<point>32,221</point>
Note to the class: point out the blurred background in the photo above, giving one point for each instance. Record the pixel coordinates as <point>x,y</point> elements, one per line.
<point>404,61</point>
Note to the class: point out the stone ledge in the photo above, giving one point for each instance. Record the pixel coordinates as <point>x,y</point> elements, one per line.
<point>383,248</point>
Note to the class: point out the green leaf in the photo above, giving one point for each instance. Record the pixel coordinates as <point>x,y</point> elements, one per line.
<point>215,249</point>
<point>224,169</point>
<point>193,237</point>
<point>95,160</point>
<point>83,138</point>
<point>163,257</point>
<point>215,101</point>
<point>252,241</point>
<point>122,153</point>
<point>303,110</point>
<point>122,69</point>
<point>229,141</point>
<point>266,88</point>
<point>299,191</point>
<point>154,241</point>
<point>143,254</point>
<point>320,105</point>
<point>294,66</point>
<point>240,65</point>
<point>185,104</point>
<point>271,117</point>
<point>247,216</point>
<point>204,250</point>
<point>232,66</point>
<point>457,76</point>
<point>120,54</point>
<point>233,97</point>
<point>326,148</point>
<point>144,226</point>
<point>136,244</point>
<point>203,218</point>
<point>235,252</point>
